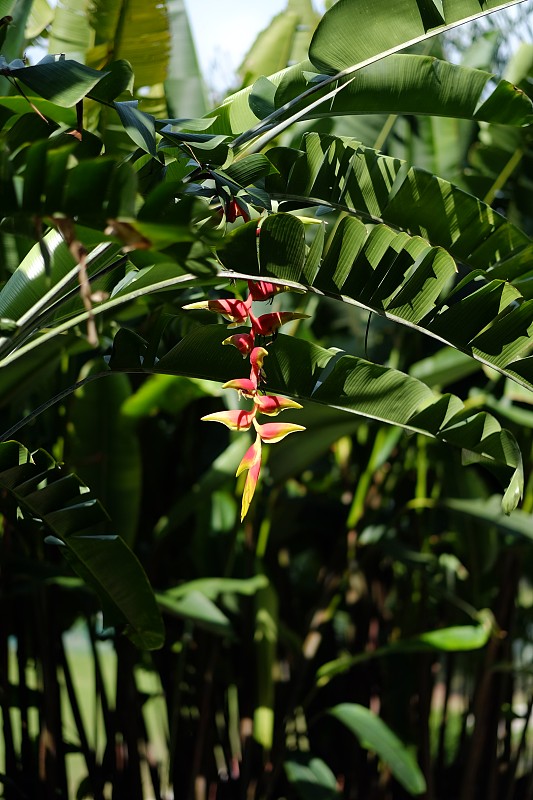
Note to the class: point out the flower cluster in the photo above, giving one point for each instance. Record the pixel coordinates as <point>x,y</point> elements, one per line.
<point>238,312</point>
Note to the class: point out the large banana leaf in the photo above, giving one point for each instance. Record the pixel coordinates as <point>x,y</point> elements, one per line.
<point>354,34</point>
<point>285,41</point>
<point>343,174</point>
<point>105,31</point>
<point>400,84</point>
<point>104,451</point>
<point>308,372</point>
<point>399,274</point>
<point>358,31</point>
<point>184,86</point>
<point>58,501</point>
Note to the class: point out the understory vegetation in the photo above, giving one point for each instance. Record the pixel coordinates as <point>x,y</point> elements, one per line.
<point>226,611</point>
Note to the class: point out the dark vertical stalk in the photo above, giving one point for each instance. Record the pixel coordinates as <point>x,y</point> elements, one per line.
<point>11,764</point>
<point>128,784</point>
<point>448,662</point>
<point>52,768</point>
<point>100,697</point>
<point>203,736</point>
<point>481,759</point>
<point>425,684</point>
<point>88,754</point>
<point>513,767</point>
<point>26,750</point>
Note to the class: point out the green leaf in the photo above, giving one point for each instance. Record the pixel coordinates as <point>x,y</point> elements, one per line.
<point>414,84</point>
<point>184,85</point>
<point>311,778</point>
<point>117,576</point>
<point>488,512</point>
<point>119,79</point>
<point>139,126</point>
<point>357,31</point>
<point>305,371</point>
<point>14,43</point>
<point>40,16</point>
<point>197,608</point>
<point>104,450</point>
<point>400,84</point>
<point>282,246</point>
<point>249,170</point>
<point>137,32</point>
<point>345,174</point>
<point>212,588</point>
<point>446,366</point>
<point>399,274</point>
<point>61,503</point>
<point>70,32</point>
<point>271,50</point>
<point>19,105</point>
<point>59,80</point>
<point>374,734</point>
<point>456,639</point>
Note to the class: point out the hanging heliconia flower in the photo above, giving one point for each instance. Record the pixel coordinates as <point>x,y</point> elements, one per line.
<point>267,325</point>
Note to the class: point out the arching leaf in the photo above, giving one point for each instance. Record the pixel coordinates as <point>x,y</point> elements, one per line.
<point>59,501</point>
<point>400,84</point>
<point>374,734</point>
<point>395,273</point>
<point>305,371</point>
<point>355,31</point>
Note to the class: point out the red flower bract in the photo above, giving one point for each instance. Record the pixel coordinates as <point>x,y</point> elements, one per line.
<point>238,311</point>
<point>262,290</point>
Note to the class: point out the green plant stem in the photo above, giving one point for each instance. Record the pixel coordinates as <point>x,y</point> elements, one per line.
<point>88,754</point>
<point>384,132</point>
<point>504,176</point>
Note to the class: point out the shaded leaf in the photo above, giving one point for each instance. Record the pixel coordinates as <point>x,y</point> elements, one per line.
<point>374,734</point>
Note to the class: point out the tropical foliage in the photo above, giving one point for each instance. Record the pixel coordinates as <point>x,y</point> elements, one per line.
<point>364,632</point>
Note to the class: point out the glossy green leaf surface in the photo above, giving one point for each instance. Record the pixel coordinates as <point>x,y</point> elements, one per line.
<point>403,269</point>
<point>374,734</point>
<point>46,493</point>
<point>62,81</point>
<point>398,84</point>
<point>199,609</point>
<point>104,451</point>
<point>356,31</point>
<point>305,371</point>
<point>456,639</point>
<point>415,84</point>
<point>311,777</point>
